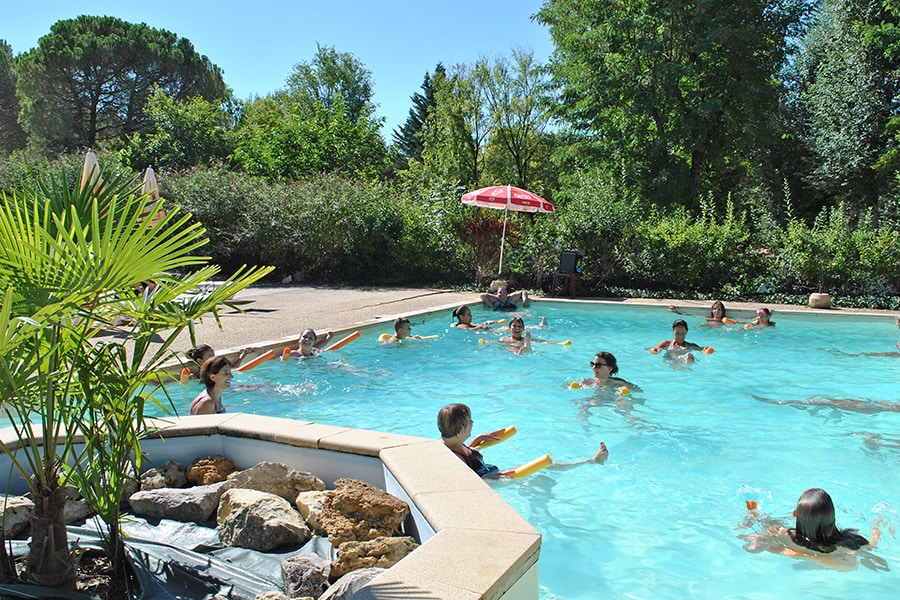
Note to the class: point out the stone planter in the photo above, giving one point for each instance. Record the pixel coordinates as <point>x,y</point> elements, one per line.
<point>820,300</point>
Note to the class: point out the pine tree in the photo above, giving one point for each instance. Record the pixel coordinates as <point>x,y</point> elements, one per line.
<point>407,138</point>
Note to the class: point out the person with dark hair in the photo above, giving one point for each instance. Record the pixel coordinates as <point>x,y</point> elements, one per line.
<point>455,424</point>
<point>202,353</point>
<point>463,316</point>
<point>679,348</point>
<point>310,343</point>
<point>402,331</point>
<point>763,318</point>
<point>716,314</point>
<point>216,377</point>
<point>604,366</point>
<point>815,535</point>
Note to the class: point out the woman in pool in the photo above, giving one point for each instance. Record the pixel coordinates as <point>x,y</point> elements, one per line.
<point>216,376</point>
<point>679,348</point>
<point>202,353</point>
<point>763,318</point>
<point>716,314</point>
<point>309,343</point>
<point>815,535</point>
<point>503,300</point>
<point>604,366</point>
<point>519,340</point>
<point>463,315</point>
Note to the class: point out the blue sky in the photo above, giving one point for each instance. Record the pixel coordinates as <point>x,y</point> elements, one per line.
<point>257,43</point>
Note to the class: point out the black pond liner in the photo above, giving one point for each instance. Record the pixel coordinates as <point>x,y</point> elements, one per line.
<point>192,564</point>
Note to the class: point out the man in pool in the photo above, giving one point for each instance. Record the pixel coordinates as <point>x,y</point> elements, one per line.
<point>455,424</point>
<point>503,300</point>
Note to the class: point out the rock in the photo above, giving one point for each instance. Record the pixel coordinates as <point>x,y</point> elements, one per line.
<point>77,510</point>
<point>349,584</point>
<point>305,575</point>
<point>310,505</point>
<point>174,473</point>
<point>819,300</point>
<point>189,504</point>
<point>259,521</point>
<point>15,513</point>
<point>358,511</point>
<point>382,552</point>
<point>152,479</point>
<point>276,478</point>
<point>211,469</point>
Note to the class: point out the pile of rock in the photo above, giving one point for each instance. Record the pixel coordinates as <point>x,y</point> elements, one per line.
<point>272,506</point>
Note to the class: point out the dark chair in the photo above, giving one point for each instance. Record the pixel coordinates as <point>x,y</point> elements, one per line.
<point>568,274</point>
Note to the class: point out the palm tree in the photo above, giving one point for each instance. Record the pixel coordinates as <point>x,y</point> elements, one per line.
<point>70,257</point>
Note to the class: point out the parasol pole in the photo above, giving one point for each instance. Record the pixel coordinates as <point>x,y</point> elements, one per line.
<point>502,240</point>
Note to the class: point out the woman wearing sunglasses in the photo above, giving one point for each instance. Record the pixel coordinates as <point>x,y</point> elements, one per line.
<point>604,366</point>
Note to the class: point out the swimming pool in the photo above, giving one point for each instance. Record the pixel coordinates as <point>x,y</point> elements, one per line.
<point>661,517</point>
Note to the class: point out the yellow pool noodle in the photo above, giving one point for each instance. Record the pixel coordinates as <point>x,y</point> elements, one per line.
<point>530,468</point>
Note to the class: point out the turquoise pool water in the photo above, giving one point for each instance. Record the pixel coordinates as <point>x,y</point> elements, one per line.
<point>661,518</point>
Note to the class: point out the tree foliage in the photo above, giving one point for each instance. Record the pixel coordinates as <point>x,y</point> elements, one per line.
<point>182,134</point>
<point>408,138</point>
<point>673,92</point>
<point>88,81</point>
<point>333,77</point>
<point>12,136</point>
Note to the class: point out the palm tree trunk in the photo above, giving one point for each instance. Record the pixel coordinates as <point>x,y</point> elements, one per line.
<point>49,561</point>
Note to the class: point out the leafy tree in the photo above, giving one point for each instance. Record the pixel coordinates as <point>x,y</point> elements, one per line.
<point>69,259</point>
<point>88,81</point>
<point>280,137</point>
<point>847,95</point>
<point>456,132</point>
<point>182,134</point>
<point>514,92</point>
<point>408,138</point>
<point>12,136</point>
<point>332,77</point>
<point>672,92</point>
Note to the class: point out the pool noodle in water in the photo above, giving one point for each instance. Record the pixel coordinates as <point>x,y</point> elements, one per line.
<point>340,343</point>
<point>503,434</point>
<point>257,361</point>
<point>185,375</point>
<point>384,337</point>
<point>530,468</point>
<point>286,353</point>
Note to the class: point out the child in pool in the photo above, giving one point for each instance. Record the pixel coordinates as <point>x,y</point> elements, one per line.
<point>455,424</point>
<point>815,536</point>
<point>402,331</point>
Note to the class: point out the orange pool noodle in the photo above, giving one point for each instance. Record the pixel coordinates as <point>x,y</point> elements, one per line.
<point>185,375</point>
<point>530,468</point>
<point>575,385</point>
<point>654,350</point>
<point>257,361</point>
<point>752,505</point>
<point>285,354</point>
<point>624,390</point>
<point>728,321</point>
<point>708,350</point>
<point>503,434</point>
<point>341,342</point>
